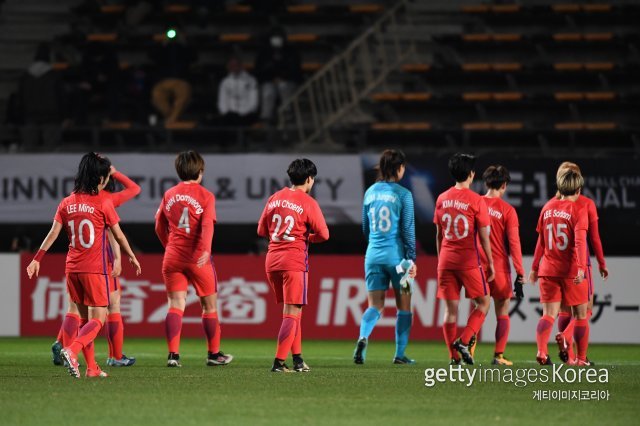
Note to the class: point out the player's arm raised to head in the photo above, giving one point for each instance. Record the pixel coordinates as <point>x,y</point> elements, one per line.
<point>131,189</point>
<point>34,266</point>
<point>408,227</point>
<point>162,225</point>
<point>319,229</point>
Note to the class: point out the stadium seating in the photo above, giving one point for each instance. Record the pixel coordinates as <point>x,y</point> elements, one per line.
<point>484,72</point>
<point>536,71</point>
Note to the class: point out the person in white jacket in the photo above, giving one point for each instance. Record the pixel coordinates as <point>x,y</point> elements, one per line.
<point>238,96</point>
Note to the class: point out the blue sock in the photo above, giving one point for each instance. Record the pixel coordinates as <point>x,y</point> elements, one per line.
<point>369,320</point>
<point>403,327</point>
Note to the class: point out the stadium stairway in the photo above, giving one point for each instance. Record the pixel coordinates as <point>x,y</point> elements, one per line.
<point>529,76</point>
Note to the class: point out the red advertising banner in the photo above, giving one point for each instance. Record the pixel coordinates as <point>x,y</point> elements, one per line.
<point>337,299</point>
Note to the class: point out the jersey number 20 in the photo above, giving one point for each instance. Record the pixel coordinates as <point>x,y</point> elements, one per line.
<point>447,220</point>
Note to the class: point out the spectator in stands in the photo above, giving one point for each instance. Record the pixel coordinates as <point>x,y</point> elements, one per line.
<point>238,95</point>
<point>172,91</point>
<point>278,70</point>
<point>41,102</point>
<point>100,77</point>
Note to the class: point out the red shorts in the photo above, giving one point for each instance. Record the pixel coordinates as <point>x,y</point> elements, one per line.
<point>556,289</point>
<point>289,287</point>
<point>451,281</point>
<point>178,276</point>
<point>88,289</point>
<point>501,287</point>
<point>114,284</point>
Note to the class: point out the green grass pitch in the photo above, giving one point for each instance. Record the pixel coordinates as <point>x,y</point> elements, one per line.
<point>335,392</point>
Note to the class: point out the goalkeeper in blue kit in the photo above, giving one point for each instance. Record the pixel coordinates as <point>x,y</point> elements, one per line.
<point>388,224</point>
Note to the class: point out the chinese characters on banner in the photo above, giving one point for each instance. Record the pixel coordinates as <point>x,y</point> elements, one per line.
<point>337,300</point>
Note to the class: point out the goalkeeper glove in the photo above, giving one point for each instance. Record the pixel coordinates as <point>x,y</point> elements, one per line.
<point>517,286</point>
<point>405,281</point>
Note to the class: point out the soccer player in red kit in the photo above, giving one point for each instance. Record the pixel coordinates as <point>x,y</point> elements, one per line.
<point>459,215</point>
<point>560,263</point>
<point>505,243</point>
<point>291,220</point>
<point>86,215</point>
<point>565,323</point>
<point>184,225</point>
<point>114,325</point>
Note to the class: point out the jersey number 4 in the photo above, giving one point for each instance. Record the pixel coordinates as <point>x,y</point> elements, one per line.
<point>289,222</point>
<point>183,223</point>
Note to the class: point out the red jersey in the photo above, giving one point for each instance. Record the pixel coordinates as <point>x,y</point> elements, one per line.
<point>504,236</point>
<point>131,189</point>
<point>291,219</point>
<point>593,231</point>
<point>85,218</point>
<point>184,222</point>
<point>558,225</point>
<point>459,213</point>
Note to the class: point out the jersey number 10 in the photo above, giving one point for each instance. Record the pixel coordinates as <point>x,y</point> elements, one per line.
<point>83,223</point>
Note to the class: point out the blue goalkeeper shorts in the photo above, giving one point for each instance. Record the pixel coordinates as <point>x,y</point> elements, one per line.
<point>378,277</point>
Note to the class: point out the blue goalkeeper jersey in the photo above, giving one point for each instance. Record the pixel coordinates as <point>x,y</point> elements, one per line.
<point>388,224</point>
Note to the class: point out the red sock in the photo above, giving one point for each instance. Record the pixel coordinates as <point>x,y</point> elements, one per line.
<point>450,330</point>
<point>115,335</point>
<point>70,327</point>
<point>211,326</point>
<point>564,318</point>
<point>59,338</point>
<point>86,336</point>
<point>581,336</point>
<point>88,351</point>
<point>545,325</point>
<point>173,328</point>
<point>296,348</point>
<point>286,336</point>
<point>568,331</point>
<point>502,333</point>
<point>474,324</point>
